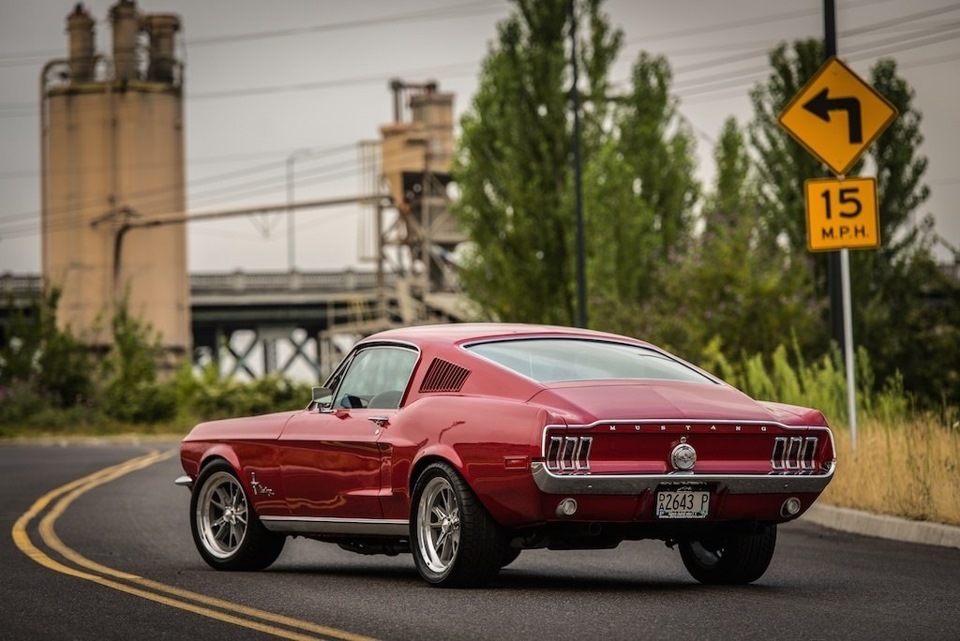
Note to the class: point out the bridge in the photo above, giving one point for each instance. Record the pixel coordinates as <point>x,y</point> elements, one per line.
<point>299,324</point>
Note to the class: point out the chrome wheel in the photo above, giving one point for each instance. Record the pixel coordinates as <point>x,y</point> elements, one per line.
<point>438,518</point>
<point>221,515</point>
<point>454,540</point>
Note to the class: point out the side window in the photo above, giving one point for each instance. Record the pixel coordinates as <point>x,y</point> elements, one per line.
<point>376,378</point>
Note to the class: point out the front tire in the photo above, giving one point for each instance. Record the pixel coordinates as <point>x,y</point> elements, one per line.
<point>455,542</point>
<point>226,530</point>
<point>730,559</point>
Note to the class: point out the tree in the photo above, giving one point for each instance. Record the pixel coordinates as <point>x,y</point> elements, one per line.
<point>783,164</point>
<point>891,286</point>
<point>513,166</point>
<point>736,286</point>
<point>514,173</point>
<point>902,298</point>
<point>642,191</point>
<point>39,358</point>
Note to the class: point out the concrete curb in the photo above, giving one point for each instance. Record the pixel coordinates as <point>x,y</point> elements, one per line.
<point>882,526</point>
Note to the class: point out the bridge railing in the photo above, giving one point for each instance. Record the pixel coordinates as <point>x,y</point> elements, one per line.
<point>238,282</point>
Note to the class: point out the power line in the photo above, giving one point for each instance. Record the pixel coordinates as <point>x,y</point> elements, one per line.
<point>57,218</point>
<point>462,10</point>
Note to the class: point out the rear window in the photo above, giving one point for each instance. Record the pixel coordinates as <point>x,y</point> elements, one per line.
<point>562,359</point>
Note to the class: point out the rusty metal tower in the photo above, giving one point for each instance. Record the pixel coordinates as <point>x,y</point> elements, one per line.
<point>416,155</point>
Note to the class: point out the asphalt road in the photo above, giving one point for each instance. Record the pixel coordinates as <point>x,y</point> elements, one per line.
<point>112,558</point>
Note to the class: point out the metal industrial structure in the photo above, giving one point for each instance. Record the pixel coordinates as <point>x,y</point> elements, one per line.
<point>112,149</point>
<point>114,215</point>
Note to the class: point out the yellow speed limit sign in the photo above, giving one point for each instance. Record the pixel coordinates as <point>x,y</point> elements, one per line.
<point>842,214</point>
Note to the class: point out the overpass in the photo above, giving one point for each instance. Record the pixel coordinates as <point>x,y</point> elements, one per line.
<point>299,324</point>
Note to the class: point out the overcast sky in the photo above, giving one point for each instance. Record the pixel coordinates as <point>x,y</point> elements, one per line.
<point>266,79</point>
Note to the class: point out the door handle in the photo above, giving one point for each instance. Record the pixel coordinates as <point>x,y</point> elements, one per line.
<point>379,420</point>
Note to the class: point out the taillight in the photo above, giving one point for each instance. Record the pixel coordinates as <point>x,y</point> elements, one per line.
<point>569,453</point>
<point>794,453</point>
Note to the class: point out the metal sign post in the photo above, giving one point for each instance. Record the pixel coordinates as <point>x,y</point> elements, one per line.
<point>836,116</point>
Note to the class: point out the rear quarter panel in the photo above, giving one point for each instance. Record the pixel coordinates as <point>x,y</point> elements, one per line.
<point>490,441</point>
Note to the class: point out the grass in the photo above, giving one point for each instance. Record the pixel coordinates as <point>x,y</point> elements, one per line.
<point>908,468</point>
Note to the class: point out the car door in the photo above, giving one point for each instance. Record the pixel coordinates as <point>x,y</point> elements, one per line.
<point>329,457</point>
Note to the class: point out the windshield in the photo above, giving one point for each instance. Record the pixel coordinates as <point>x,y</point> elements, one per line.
<point>563,359</point>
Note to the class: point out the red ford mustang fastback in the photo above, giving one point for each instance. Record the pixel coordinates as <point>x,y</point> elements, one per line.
<point>465,444</point>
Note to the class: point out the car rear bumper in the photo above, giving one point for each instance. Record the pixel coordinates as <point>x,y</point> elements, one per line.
<point>634,484</point>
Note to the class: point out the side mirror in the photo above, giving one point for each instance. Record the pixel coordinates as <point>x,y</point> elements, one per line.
<point>322,399</point>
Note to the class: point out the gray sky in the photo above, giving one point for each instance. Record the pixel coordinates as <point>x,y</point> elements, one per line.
<point>266,79</point>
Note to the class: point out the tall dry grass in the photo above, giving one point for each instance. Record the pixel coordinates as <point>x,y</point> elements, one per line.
<point>908,468</point>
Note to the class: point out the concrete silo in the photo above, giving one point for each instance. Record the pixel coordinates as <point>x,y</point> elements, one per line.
<point>112,152</point>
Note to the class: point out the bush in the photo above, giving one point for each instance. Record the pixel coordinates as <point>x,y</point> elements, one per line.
<point>209,396</point>
<point>785,377</point>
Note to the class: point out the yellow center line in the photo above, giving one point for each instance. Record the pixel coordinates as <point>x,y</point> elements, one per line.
<point>153,590</point>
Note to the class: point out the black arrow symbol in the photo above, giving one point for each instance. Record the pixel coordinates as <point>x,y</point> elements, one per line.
<point>821,106</point>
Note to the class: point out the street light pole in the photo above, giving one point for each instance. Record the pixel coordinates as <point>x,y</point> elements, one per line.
<point>578,179</point>
<point>291,230</point>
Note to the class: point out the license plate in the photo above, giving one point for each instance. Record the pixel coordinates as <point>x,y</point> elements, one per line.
<point>683,504</point>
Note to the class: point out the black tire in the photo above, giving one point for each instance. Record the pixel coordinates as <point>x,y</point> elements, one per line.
<point>731,559</point>
<point>226,530</point>
<point>455,542</point>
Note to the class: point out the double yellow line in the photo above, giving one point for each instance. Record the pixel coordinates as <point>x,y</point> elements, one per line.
<point>201,604</point>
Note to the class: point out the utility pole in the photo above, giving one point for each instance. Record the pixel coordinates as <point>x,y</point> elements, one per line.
<point>578,178</point>
<point>834,259</point>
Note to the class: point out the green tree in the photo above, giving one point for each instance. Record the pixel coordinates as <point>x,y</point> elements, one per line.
<point>514,171</point>
<point>907,309</point>
<point>41,358</point>
<point>641,189</point>
<point>736,286</point>
<point>513,167</point>
<point>131,391</point>
<point>890,285</point>
<point>783,164</point>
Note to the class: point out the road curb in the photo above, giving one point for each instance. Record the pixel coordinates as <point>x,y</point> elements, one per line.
<point>882,526</point>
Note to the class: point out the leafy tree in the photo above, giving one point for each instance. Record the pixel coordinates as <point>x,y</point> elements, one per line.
<point>783,164</point>
<point>893,315</point>
<point>641,189</point>
<point>514,173</point>
<point>911,309</point>
<point>736,286</point>
<point>44,359</point>
<point>131,391</point>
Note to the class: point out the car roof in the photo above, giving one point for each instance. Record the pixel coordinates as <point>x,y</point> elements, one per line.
<point>455,333</point>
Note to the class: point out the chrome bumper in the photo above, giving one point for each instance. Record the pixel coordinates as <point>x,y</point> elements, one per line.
<point>551,483</point>
<point>184,481</point>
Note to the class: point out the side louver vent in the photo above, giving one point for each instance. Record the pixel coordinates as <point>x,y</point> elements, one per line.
<point>443,376</point>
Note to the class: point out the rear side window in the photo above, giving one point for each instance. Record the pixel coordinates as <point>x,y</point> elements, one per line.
<point>562,359</point>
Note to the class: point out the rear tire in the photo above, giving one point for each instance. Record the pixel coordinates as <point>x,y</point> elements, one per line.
<point>455,542</point>
<point>731,559</point>
<point>226,530</point>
